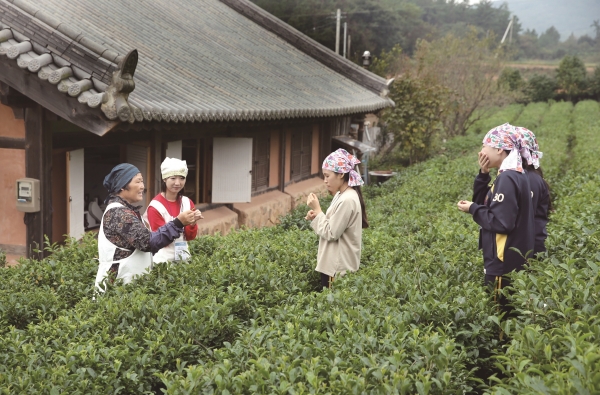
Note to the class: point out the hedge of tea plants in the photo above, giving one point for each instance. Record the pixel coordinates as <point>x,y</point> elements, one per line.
<point>243,316</point>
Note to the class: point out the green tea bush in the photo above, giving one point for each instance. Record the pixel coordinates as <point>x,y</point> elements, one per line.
<point>43,289</point>
<point>507,114</point>
<point>242,316</point>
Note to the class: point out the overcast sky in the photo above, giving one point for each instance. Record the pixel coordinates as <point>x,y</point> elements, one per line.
<point>567,16</point>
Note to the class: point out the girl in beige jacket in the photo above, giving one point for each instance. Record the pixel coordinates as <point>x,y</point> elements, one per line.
<point>340,228</point>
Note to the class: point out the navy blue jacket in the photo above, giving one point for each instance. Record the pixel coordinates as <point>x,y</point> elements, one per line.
<point>540,199</point>
<point>504,213</point>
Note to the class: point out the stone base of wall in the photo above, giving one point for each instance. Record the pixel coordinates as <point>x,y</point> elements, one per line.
<point>13,260</point>
<point>299,191</point>
<point>264,210</point>
<point>219,220</point>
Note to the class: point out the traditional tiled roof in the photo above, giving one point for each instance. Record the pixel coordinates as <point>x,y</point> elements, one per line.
<point>199,60</point>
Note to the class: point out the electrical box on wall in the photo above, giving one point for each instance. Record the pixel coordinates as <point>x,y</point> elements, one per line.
<point>28,195</point>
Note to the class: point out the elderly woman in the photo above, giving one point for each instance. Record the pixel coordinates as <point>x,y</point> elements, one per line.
<point>125,244</point>
<point>340,228</point>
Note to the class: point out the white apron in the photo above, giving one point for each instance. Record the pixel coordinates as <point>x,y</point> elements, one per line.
<point>178,250</point>
<point>134,265</point>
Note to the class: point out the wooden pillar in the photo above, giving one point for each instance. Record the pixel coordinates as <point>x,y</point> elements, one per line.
<point>199,168</point>
<point>282,147</point>
<point>153,183</point>
<point>38,165</point>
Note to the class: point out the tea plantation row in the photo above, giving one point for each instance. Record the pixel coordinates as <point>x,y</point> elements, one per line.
<point>243,316</point>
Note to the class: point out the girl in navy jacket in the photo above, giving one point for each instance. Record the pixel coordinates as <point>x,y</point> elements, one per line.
<point>504,210</point>
<point>540,194</point>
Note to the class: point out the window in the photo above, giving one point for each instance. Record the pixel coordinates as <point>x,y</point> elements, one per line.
<point>260,163</point>
<point>301,153</point>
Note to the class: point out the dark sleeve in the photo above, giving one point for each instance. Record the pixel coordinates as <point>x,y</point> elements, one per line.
<point>481,186</point>
<point>165,235</point>
<point>501,215</point>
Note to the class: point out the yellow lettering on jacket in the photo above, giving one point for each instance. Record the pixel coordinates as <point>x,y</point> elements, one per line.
<point>500,244</point>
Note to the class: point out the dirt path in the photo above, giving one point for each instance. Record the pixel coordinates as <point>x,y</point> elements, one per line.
<point>543,66</point>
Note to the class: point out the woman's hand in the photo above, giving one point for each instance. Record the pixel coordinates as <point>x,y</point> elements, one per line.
<point>197,216</point>
<point>464,205</point>
<point>310,215</point>
<point>187,217</point>
<point>313,201</point>
<point>484,163</point>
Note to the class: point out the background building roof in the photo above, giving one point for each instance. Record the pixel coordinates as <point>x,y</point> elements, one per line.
<point>198,60</point>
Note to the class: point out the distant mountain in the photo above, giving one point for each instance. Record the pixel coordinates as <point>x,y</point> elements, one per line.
<point>567,16</point>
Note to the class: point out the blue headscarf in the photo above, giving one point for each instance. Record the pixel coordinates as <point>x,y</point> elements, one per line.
<point>119,177</point>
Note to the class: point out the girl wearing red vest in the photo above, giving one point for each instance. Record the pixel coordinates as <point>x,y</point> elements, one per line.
<point>167,205</point>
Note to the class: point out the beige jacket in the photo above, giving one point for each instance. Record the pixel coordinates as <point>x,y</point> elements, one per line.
<point>340,235</point>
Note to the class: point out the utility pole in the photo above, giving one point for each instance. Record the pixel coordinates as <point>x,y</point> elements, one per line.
<point>508,28</point>
<point>338,17</point>
<point>349,42</point>
<point>345,35</point>
<point>512,20</point>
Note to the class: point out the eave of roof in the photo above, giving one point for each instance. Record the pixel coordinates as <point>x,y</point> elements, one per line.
<point>82,69</point>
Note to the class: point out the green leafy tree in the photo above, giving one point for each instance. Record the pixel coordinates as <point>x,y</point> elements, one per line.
<point>511,79</point>
<point>550,38</point>
<point>596,26</point>
<point>415,122</point>
<point>529,44</point>
<point>595,83</point>
<point>571,76</point>
<point>540,88</point>
<point>377,25</point>
<point>468,66</point>
<point>388,63</point>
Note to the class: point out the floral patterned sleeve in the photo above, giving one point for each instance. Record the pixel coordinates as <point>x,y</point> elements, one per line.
<point>123,226</point>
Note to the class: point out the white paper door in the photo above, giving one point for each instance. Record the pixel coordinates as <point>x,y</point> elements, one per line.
<point>174,149</point>
<point>138,156</point>
<point>76,203</point>
<point>232,170</point>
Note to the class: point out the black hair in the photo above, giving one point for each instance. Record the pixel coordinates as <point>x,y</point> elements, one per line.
<point>163,188</point>
<point>540,173</point>
<point>365,222</point>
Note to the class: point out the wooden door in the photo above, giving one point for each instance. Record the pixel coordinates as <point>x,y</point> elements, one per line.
<point>232,170</point>
<point>260,163</point>
<point>301,154</point>
<point>75,193</point>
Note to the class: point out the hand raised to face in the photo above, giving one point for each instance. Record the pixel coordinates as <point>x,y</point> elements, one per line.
<point>484,162</point>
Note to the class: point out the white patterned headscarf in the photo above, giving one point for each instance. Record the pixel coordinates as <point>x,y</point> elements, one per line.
<point>521,143</point>
<point>341,161</point>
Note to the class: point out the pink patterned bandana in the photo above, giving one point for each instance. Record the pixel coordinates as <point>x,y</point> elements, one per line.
<point>520,141</point>
<point>341,161</point>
